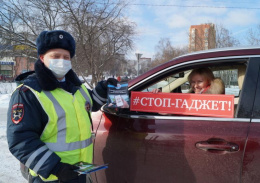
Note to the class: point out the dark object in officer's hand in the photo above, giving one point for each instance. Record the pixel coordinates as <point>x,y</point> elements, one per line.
<point>66,172</point>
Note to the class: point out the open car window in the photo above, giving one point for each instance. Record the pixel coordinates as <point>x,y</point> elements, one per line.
<point>232,74</point>
<point>177,83</point>
<point>173,84</point>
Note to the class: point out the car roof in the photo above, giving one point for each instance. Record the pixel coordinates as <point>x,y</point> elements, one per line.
<point>212,53</point>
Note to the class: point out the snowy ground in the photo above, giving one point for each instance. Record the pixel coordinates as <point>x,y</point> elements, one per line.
<point>9,165</point>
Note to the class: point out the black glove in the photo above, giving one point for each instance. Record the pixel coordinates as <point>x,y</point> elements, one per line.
<point>66,172</point>
<point>111,81</point>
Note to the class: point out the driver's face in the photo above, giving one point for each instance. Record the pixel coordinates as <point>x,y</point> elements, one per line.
<point>199,83</point>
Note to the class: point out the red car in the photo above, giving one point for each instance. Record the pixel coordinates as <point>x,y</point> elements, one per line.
<point>153,147</point>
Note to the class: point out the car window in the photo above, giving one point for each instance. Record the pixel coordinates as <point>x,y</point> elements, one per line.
<point>230,78</point>
<point>172,83</point>
<point>232,75</point>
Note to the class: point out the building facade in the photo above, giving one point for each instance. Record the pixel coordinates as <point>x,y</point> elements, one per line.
<point>202,37</point>
<point>13,62</point>
<point>10,67</point>
<point>6,69</point>
<point>22,65</point>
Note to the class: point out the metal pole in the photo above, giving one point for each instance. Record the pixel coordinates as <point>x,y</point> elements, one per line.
<point>138,55</point>
<point>138,66</point>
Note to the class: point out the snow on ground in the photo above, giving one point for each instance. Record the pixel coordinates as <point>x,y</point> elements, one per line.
<point>7,88</point>
<point>9,165</point>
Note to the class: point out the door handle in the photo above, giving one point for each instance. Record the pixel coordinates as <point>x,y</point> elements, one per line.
<point>217,145</point>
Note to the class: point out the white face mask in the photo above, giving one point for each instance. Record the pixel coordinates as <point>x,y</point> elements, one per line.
<point>59,67</point>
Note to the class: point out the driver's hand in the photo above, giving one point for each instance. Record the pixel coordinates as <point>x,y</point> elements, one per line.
<point>156,90</point>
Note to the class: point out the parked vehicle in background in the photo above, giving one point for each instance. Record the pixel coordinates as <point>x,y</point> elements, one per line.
<point>4,78</point>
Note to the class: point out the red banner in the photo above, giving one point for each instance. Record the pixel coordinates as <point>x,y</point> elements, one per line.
<point>184,104</point>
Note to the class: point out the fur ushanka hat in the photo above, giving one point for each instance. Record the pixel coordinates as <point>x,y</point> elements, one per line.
<point>55,39</point>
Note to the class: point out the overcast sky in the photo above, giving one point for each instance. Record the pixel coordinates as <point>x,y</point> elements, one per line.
<point>157,19</point>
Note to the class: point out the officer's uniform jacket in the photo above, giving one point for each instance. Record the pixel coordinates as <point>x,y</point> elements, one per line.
<point>27,119</point>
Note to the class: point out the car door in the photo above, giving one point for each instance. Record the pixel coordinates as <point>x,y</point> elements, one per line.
<point>145,147</point>
<point>251,161</point>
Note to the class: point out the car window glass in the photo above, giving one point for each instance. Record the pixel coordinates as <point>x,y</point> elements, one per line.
<point>169,84</point>
<point>230,79</point>
<point>161,84</point>
<point>172,84</point>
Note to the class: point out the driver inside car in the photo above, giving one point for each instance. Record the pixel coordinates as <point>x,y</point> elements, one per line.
<point>202,81</point>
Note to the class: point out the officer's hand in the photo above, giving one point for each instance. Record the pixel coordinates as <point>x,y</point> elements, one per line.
<point>111,81</point>
<point>66,172</point>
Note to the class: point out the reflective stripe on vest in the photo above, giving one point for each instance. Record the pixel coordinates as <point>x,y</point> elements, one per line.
<point>83,93</point>
<point>67,132</point>
<point>61,144</point>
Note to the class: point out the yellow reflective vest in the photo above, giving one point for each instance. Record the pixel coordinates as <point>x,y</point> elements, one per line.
<point>68,131</point>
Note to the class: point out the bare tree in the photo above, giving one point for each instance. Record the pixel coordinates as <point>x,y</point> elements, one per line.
<point>100,31</point>
<point>224,37</point>
<point>254,36</point>
<point>166,52</point>
<point>119,66</point>
<point>102,34</point>
<point>22,20</point>
<point>20,23</point>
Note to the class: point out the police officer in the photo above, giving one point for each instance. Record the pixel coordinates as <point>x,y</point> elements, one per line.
<point>49,124</point>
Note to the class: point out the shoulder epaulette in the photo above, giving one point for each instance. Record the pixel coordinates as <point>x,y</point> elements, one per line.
<point>24,88</point>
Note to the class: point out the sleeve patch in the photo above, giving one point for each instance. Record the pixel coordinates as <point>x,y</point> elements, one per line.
<point>17,113</point>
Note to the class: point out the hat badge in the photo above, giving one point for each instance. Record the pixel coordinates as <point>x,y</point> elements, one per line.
<point>61,36</point>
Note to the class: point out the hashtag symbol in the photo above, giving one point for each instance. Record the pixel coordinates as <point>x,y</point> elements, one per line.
<point>136,101</point>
